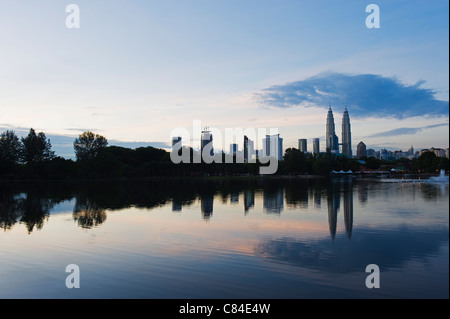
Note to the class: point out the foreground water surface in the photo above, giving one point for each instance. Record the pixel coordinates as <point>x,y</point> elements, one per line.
<point>223,239</point>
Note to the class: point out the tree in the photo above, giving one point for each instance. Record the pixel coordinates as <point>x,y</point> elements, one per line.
<point>295,161</point>
<point>36,148</point>
<point>88,145</point>
<point>9,148</point>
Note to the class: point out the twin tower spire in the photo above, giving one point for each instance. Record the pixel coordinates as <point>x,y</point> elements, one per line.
<point>331,138</point>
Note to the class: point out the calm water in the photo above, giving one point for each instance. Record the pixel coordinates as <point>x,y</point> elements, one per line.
<point>215,240</point>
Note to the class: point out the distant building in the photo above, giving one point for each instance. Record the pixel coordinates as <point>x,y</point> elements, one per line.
<point>330,135</point>
<point>233,149</point>
<point>302,145</point>
<point>346,135</point>
<point>249,149</point>
<point>207,138</point>
<point>361,150</point>
<point>400,154</point>
<point>385,155</point>
<point>246,149</point>
<point>316,146</point>
<point>371,152</point>
<point>439,152</point>
<point>411,151</point>
<point>273,146</point>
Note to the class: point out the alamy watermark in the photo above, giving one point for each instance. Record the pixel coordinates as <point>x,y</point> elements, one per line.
<point>211,139</point>
<point>73,279</point>
<point>373,19</point>
<point>373,280</point>
<point>73,19</point>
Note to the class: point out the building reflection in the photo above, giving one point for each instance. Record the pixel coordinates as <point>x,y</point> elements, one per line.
<point>273,200</point>
<point>363,192</point>
<point>348,211</point>
<point>234,198</point>
<point>206,204</point>
<point>333,201</point>
<point>177,205</point>
<point>317,197</point>
<point>249,199</point>
<point>334,195</point>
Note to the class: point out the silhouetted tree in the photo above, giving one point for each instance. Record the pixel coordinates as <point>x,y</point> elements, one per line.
<point>9,148</point>
<point>88,145</point>
<point>429,162</point>
<point>36,148</point>
<point>295,161</point>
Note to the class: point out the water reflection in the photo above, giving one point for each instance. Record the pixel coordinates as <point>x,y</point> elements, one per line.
<point>87,212</point>
<point>249,199</point>
<point>273,200</point>
<point>287,238</point>
<point>412,245</point>
<point>32,204</point>
<point>30,208</point>
<point>207,203</point>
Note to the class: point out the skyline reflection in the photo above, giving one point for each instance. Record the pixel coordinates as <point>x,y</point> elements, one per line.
<point>32,205</point>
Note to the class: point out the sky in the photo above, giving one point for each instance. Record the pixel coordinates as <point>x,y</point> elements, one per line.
<point>136,70</point>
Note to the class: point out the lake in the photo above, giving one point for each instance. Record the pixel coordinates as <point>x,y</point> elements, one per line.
<point>196,239</point>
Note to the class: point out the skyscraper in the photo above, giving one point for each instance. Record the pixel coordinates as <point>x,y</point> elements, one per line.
<point>273,146</point>
<point>206,139</point>
<point>331,138</point>
<point>249,149</point>
<point>302,146</point>
<point>316,146</point>
<point>245,149</point>
<point>361,150</point>
<point>233,149</point>
<point>346,135</point>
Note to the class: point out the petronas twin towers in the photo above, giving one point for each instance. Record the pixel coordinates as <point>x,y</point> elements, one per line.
<point>331,138</point>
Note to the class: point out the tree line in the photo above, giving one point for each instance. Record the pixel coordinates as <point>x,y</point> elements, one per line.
<point>32,157</point>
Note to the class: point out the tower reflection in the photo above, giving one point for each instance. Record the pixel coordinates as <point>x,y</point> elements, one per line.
<point>333,201</point>
<point>334,194</point>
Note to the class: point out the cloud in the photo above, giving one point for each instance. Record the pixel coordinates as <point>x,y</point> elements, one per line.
<point>406,130</point>
<point>366,95</point>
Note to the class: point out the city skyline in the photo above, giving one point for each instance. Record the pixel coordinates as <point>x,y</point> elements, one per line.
<point>133,72</point>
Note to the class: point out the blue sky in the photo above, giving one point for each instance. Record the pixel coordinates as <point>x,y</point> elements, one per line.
<point>135,70</point>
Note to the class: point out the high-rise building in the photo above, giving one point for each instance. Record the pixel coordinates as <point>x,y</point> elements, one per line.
<point>302,145</point>
<point>273,146</point>
<point>249,149</point>
<point>411,151</point>
<point>207,138</point>
<point>316,146</point>
<point>331,138</point>
<point>361,150</point>
<point>245,149</point>
<point>346,135</point>
<point>233,149</point>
